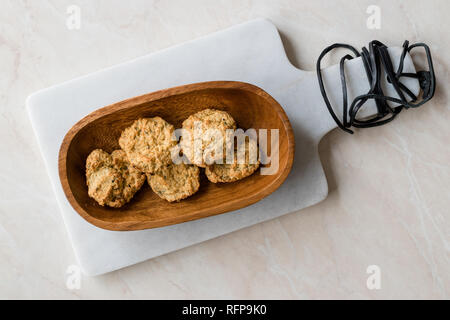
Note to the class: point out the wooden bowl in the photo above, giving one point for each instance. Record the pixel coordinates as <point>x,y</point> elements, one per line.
<point>250,106</point>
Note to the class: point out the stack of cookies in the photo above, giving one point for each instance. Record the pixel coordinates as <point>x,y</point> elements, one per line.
<point>148,149</point>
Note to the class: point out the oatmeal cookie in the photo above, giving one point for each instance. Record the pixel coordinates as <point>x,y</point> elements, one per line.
<point>243,165</point>
<point>111,179</point>
<point>199,147</point>
<point>147,143</point>
<point>175,182</point>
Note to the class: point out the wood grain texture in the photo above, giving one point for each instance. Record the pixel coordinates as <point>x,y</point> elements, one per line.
<point>249,105</point>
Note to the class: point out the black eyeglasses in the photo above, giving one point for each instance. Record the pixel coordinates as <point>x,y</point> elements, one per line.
<point>375,60</point>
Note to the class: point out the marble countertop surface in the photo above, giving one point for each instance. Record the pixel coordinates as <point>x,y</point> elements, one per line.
<point>388,210</point>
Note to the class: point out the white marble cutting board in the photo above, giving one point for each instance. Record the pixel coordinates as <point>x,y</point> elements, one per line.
<point>251,52</point>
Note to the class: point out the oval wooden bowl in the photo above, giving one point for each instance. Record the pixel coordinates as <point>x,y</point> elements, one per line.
<point>250,106</point>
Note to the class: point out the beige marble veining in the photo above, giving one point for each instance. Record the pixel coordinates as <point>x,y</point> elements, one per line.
<point>388,203</point>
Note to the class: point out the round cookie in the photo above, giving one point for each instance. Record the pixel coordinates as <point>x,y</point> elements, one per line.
<point>199,146</point>
<point>240,168</point>
<point>111,179</point>
<point>175,182</point>
<point>147,143</point>
<point>133,178</point>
